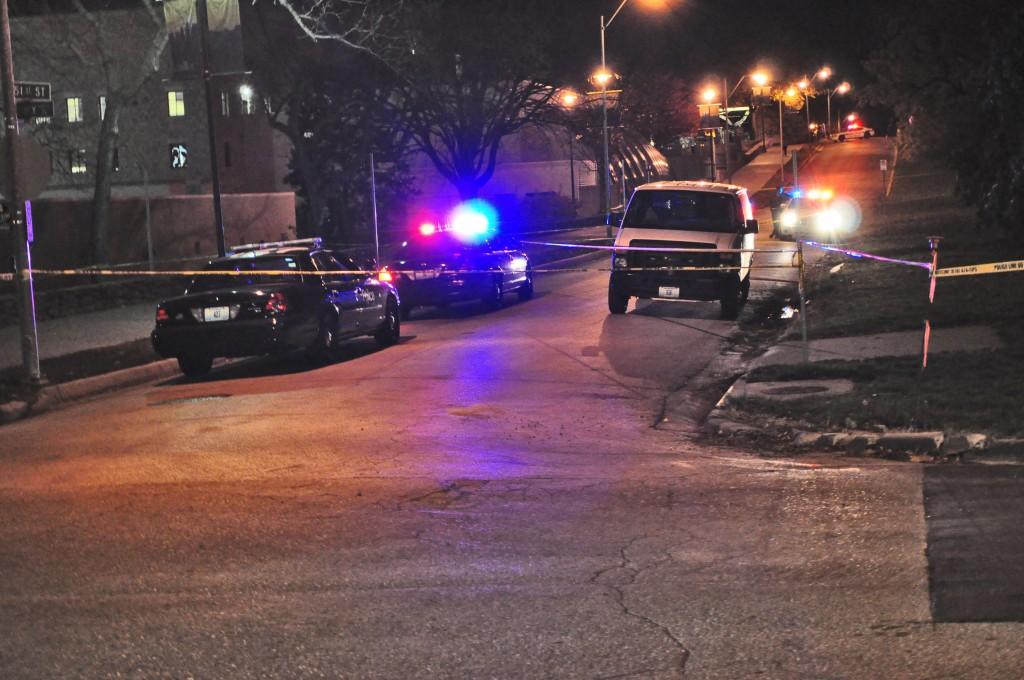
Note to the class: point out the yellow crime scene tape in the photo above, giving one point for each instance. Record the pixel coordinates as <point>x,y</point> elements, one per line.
<point>363,272</point>
<point>978,269</point>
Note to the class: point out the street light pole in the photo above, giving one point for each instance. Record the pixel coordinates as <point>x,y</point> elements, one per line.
<point>605,173</point>
<point>204,42</point>
<point>782,147</point>
<point>24,293</point>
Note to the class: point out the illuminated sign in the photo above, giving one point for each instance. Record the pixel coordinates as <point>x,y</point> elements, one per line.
<point>179,156</point>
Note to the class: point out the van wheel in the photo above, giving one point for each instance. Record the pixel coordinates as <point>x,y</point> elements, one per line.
<point>732,299</point>
<point>195,365</point>
<point>617,303</point>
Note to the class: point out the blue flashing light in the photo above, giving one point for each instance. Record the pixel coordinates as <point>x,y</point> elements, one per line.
<point>473,221</point>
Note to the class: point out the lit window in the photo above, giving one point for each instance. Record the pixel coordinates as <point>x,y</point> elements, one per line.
<point>248,98</point>
<point>77,162</point>
<point>75,110</point>
<point>175,103</point>
<point>225,104</point>
<point>101,102</point>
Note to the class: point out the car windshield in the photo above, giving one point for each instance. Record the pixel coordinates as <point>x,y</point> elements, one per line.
<point>681,209</point>
<point>276,263</point>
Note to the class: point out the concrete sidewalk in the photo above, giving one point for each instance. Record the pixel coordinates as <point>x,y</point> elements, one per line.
<point>59,337</point>
<point>760,170</point>
<point>898,344</point>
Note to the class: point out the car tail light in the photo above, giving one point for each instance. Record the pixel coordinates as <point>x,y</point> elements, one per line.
<point>385,275</point>
<point>276,304</point>
<point>162,315</point>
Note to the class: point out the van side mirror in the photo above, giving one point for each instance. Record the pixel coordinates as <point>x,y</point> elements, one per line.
<point>751,227</point>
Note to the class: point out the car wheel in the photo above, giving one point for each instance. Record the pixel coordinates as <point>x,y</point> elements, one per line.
<point>391,330</point>
<point>842,138</point>
<point>617,303</point>
<point>732,300</point>
<point>492,299</point>
<point>195,365</point>
<point>320,351</point>
<point>867,135</point>
<point>525,291</point>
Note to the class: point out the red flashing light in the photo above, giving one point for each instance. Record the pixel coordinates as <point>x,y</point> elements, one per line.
<point>853,126</point>
<point>428,228</point>
<point>276,304</point>
<point>386,276</point>
<point>162,315</point>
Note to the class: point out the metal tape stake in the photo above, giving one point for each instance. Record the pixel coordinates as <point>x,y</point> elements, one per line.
<point>933,244</point>
<point>803,309</point>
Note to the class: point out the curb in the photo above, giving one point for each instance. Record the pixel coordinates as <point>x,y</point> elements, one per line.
<point>54,396</point>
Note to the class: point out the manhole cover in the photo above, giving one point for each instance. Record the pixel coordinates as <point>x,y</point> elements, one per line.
<point>797,389</point>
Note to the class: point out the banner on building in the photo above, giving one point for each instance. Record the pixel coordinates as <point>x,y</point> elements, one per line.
<point>225,40</point>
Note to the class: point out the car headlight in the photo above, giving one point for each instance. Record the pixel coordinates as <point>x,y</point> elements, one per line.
<point>829,220</point>
<point>789,218</point>
<point>620,262</point>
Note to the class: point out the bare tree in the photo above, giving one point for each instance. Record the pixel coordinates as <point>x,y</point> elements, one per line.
<point>122,49</point>
<point>475,75</point>
<point>293,43</point>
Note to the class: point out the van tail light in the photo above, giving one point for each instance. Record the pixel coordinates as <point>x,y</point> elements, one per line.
<point>385,275</point>
<point>162,315</point>
<point>276,304</point>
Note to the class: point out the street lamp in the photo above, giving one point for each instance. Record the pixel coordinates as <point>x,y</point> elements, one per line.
<point>707,111</point>
<point>841,88</point>
<point>603,77</point>
<point>569,99</point>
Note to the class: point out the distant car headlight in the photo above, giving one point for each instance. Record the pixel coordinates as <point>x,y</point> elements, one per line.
<point>518,264</point>
<point>789,218</point>
<point>620,262</point>
<point>829,220</point>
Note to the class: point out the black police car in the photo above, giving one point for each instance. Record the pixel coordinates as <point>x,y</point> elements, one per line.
<point>271,298</point>
<point>437,269</point>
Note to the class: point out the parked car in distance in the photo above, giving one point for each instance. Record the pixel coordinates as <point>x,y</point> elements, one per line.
<point>276,297</point>
<point>855,131</point>
<point>436,268</point>
<point>712,221</point>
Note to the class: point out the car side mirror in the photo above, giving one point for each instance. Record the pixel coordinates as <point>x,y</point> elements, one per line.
<point>751,227</point>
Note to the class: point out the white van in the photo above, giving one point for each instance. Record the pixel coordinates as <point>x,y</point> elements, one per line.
<point>702,216</point>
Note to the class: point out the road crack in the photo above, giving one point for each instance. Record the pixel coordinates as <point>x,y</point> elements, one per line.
<point>616,578</point>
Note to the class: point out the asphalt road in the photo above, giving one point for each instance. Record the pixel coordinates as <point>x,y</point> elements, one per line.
<point>511,494</point>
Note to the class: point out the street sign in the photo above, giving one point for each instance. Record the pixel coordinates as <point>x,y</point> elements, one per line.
<point>33,169</point>
<point>32,92</point>
<point>883,165</point>
<point>178,156</point>
<point>31,109</point>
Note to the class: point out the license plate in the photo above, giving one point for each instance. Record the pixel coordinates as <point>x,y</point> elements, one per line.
<point>216,314</point>
<point>668,291</point>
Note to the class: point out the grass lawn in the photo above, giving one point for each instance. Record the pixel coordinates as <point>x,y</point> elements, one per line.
<point>959,390</point>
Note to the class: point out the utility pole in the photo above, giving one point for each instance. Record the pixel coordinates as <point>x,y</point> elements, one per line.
<point>727,130</point>
<point>204,41</point>
<point>19,228</point>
